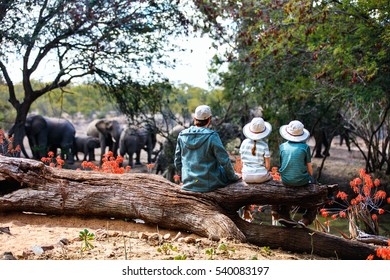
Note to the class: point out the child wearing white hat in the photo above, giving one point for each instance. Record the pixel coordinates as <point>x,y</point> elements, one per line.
<point>295,169</point>
<point>255,155</point>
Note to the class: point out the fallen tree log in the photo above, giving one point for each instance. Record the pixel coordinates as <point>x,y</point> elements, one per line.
<point>31,186</point>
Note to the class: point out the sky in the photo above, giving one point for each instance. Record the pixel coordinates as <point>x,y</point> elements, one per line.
<point>191,67</point>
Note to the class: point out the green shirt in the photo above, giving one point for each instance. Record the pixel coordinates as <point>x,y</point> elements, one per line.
<point>294,157</point>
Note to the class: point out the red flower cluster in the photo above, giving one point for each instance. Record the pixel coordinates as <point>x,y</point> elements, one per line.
<point>342,195</point>
<point>150,167</point>
<point>324,212</point>
<point>383,252</point>
<point>379,195</point>
<point>91,165</point>
<point>275,174</point>
<point>110,164</point>
<point>238,165</point>
<point>53,162</point>
<point>176,178</point>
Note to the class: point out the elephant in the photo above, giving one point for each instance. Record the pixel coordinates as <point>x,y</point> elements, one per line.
<point>133,139</point>
<point>322,139</point>
<point>108,131</point>
<point>165,157</point>
<point>87,146</point>
<point>228,131</point>
<point>48,134</point>
<point>324,133</point>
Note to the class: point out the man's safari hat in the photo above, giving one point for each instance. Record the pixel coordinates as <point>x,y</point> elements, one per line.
<point>202,112</point>
<point>257,129</point>
<point>294,132</point>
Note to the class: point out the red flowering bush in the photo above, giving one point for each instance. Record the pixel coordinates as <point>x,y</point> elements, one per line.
<point>6,146</point>
<point>363,208</point>
<point>110,163</point>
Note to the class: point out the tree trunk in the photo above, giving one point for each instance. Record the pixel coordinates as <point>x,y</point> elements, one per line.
<point>18,129</point>
<point>29,185</point>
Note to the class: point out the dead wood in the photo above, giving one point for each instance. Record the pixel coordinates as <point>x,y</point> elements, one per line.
<point>31,186</point>
<point>372,239</point>
<point>305,240</point>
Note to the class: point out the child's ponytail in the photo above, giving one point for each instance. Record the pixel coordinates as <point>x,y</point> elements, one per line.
<point>254,148</point>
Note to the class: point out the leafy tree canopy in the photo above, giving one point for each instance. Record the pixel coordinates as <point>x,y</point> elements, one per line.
<point>307,60</point>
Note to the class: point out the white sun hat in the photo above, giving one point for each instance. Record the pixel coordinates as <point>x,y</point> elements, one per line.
<point>257,129</point>
<point>202,112</point>
<point>294,132</point>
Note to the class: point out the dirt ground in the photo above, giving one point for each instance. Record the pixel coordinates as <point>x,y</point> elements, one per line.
<point>36,237</point>
<point>46,237</point>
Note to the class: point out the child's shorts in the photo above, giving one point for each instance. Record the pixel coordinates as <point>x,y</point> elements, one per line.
<point>256,178</point>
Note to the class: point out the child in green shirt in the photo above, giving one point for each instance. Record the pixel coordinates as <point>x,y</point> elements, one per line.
<point>295,170</point>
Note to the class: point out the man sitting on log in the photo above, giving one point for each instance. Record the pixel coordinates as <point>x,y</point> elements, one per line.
<point>200,157</point>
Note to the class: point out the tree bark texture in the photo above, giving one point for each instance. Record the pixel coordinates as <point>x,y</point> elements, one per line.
<point>31,186</point>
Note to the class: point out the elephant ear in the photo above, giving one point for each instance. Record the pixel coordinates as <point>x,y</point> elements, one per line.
<point>102,127</point>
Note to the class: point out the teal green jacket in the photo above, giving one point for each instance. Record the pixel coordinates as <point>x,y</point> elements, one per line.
<point>202,161</point>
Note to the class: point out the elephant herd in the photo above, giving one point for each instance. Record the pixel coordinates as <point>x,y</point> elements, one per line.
<point>48,134</point>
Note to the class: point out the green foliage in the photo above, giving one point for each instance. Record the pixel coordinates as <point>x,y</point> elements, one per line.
<point>85,99</point>
<point>222,249</point>
<point>210,252</point>
<point>86,238</point>
<point>225,249</point>
<point>180,258</point>
<point>173,103</point>
<point>92,37</point>
<point>306,60</point>
<point>266,250</point>
<point>7,114</point>
<point>92,102</point>
<point>166,249</point>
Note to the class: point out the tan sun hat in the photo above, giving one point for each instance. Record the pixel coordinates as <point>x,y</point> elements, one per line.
<point>294,132</point>
<point>202,112</point>
<point>257,129</point>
